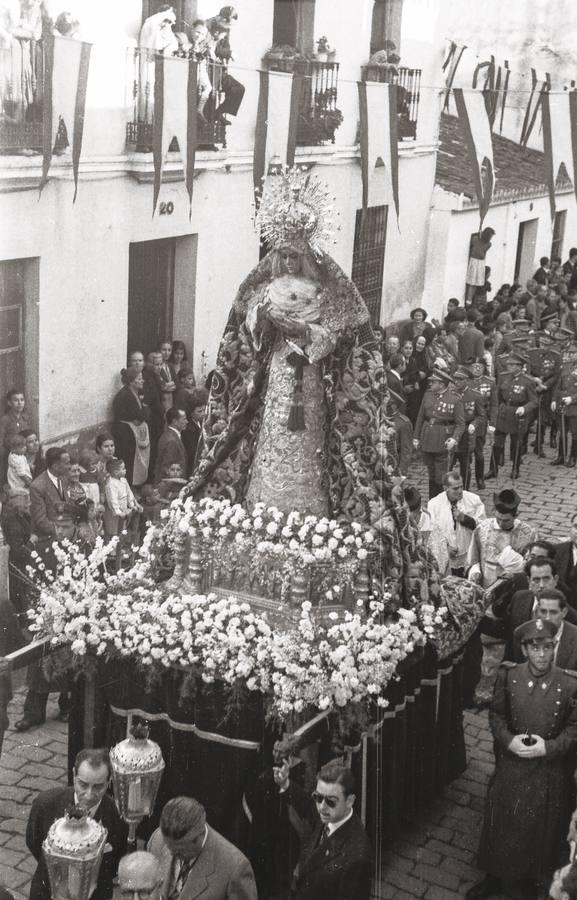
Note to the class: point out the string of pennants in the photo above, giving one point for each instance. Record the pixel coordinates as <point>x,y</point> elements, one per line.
<point>480,109</point>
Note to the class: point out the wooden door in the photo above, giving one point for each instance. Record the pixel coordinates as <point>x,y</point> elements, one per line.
<point>150,293</point>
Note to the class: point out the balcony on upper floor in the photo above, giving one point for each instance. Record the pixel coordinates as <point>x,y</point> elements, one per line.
<point>409,87</point>
<point>21,97</point>
<point>319,117</point>
<point>214,83</point>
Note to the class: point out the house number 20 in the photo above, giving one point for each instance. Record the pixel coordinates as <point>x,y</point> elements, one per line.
<point>167,209</point>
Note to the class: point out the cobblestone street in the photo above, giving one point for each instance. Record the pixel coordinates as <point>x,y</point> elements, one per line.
<point>433,857</point>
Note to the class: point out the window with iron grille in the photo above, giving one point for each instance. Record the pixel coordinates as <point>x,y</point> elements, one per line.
<point>369,257</point>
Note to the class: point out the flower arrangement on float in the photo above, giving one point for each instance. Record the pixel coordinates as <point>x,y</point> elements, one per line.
<point>347,661</point>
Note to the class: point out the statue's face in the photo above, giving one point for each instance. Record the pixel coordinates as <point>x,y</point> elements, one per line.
<point>291,260</point>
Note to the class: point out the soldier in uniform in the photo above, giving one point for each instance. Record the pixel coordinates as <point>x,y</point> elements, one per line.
<point>564,405</point>
<point>404,429</point>
<point>517,401</point>
<point>545,369</point>
<point>439,427</point>
<point>533,718</point>
<point>487,387</point>
<point>475,421</point>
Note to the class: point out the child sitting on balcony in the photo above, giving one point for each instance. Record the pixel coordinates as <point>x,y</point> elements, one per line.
<point>19,475</point>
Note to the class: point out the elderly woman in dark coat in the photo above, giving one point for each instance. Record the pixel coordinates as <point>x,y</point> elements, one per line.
<point>130,428</point>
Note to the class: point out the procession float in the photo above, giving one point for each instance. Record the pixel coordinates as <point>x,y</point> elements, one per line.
<point>285,606</point>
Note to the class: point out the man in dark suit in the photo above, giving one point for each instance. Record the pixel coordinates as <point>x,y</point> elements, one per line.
<point>91,778</point>
<point>337,860</point>
<point>566,561</point>
<point>195,859</point>
<point>51,516</point>
<point>170,447</point>
<point>152,397</point>
<point>543,578</point>
<point>552,607</point>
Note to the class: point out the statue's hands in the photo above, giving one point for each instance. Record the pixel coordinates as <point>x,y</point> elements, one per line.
<point>290,326</point>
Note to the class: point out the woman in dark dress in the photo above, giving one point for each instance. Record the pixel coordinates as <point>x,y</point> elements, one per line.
<point>130,428</point>
<point>416,377</point>
<point>178,358</point>
<point>418,325</point>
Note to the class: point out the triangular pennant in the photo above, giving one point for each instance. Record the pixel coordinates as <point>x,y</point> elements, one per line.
<point>450,66</point>
<point>558,111</point>
<point>276,126</point>
<point>472,113</point>
<point>539,86</point>
<point>174,116</point>
<point>66,77</point>
<point>378,136</point>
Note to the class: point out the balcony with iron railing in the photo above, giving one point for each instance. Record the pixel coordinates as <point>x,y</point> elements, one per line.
<point>21,97</point>
<point>211,128</point>
<point>319,116</point>
<point>409,93</point>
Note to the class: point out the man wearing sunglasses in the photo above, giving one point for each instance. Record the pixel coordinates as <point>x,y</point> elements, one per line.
<point>336,863</point>
<point>533,718</point>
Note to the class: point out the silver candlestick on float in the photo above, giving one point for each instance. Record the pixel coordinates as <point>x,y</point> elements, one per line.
<point>137,767</point>
<point>73,851</point>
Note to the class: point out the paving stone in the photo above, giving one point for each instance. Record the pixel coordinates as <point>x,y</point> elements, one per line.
<point>9,776</point>
<point>19,794</point>
<point>41,784</point>
<point>37,754</point>
<point>14,826</point>
<point>11,878</point>
<point>436,875</point>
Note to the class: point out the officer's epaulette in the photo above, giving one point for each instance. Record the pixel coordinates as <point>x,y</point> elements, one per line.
<point>508,664</point>
<point>570,672</point>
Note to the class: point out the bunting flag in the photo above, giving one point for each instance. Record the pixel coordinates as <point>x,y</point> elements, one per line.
<point>472,112</point>
<point>538,88</point>
<point>450,66</point>
<point>559,112</point>
<point>504,92</point>
<point>174,116</point>
<point>66,63</point>
<point>276,122</point>
<point>378,104</point>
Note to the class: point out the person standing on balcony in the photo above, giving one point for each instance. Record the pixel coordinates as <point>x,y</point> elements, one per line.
<point>219,27</point>
<point>156,36</point>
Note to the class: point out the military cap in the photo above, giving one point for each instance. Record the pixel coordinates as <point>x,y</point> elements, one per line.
<point>439,375</point>
<point>518,359</point>
<point>462,372</point>
<point>567,332</point>
<point>523,322</point>
<point>549,317</point>
<point>535,630</point>
<point>506,501</point>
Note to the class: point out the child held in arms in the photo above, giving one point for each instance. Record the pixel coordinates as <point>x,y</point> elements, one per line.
<point>152,506</point>
<point>19,476</point>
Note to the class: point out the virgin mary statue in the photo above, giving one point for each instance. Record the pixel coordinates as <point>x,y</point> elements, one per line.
<point>297,414</point>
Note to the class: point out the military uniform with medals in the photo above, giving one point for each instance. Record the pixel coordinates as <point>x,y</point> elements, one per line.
<point>545,367</point>
<point>474,411</point>
<point>529,798</point>
<point>487,387</point>
<point>567,413</point>
<point>515,391</point>
<point>441,418</point>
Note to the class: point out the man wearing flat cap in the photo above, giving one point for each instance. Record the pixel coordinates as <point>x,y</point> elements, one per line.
<point>439,427</point>
<point>533,718</point>
<point>517,403</point>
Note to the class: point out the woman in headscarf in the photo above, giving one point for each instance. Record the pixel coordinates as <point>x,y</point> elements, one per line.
<point>130,428</point>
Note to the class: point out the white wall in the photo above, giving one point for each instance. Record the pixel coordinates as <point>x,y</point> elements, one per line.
<point>451,233</point>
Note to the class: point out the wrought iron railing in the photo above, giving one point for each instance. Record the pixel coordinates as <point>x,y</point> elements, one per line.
<point>21,96</point>
<point>319,116</point>
<point>409,94</point>
<point>211,129</point>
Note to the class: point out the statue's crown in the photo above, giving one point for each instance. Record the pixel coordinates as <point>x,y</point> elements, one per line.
<point>294,208</point>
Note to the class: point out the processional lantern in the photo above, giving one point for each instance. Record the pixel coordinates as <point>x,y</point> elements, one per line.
<point>137,767</point>
<point>73,851</point>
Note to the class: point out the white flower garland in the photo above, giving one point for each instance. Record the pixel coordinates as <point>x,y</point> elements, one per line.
<point>129,615</point>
